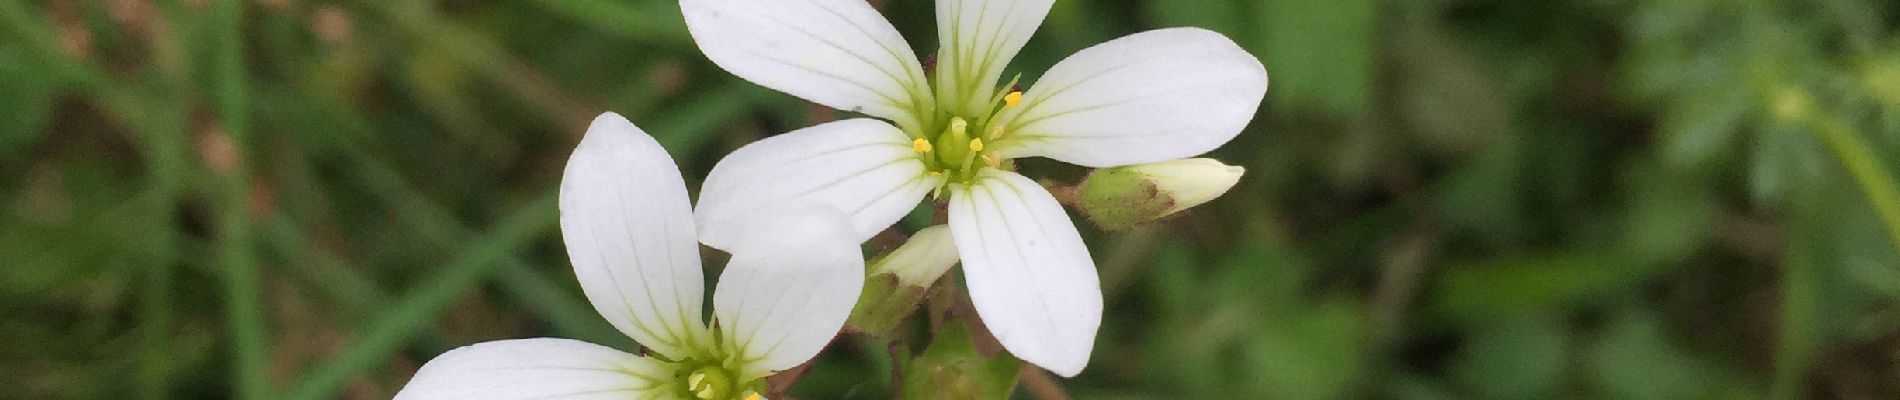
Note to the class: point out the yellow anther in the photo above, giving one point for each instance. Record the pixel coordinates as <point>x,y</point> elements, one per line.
<point>754,396</point>
<point>976,144</point>
<point>920,145</point>
<point>936,173</point>
<point>990,160</point>
<point>1012,99</point>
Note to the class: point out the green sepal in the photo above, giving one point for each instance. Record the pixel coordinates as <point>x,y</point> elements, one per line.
<point>883,305</point>
<point>1117,199</point>
<point>953,368</point>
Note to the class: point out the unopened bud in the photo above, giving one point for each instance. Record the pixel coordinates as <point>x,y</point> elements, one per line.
<point>1122,197</point>
<point>898,281</point>
<point>921,259</point>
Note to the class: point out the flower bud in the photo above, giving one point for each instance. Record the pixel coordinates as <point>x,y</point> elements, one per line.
<point>1122,197</point>
<point>899,281</point>
<point>921,259</point>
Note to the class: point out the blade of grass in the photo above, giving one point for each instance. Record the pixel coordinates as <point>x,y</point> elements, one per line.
<point>24,30</point>
<point>417,310</point>
<point>473,49</point>
<point>684,129</point>
<point>157,128</point>
<point>652,21</point>
<point>324,272</point>
<point>236,253</point>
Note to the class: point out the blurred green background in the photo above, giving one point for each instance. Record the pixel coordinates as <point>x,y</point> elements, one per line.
<point>1445,199</point>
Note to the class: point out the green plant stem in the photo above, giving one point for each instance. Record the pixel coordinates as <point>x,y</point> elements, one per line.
<point>416,311</point>
<point>1864,166</point>
<point>323,272</point>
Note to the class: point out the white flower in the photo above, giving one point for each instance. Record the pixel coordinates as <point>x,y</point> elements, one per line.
<point>625,216</point>
<point>1152,96</point>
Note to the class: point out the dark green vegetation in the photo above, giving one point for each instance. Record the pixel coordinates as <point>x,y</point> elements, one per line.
<point>1445,198</point>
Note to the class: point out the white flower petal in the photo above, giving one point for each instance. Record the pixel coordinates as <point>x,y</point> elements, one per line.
<point>1152,96</point>
<point>535,369</point>
<point>863,167</point>
<point>978,38</point>
<point>1029,274</point>
<point>840,53</point>
<point>792,282</point>
<point>629,233</point>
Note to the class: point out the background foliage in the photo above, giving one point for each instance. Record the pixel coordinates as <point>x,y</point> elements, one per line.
<point>1628,199</point>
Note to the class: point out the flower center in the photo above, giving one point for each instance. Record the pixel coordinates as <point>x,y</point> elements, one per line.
<point>966,145</point>
<point>703,380</point>
<point>709,383</point>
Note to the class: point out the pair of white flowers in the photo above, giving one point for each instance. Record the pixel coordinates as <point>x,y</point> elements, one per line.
<point>792,209</point>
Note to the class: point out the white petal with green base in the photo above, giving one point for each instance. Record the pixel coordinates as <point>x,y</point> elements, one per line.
<point>1030,277</point>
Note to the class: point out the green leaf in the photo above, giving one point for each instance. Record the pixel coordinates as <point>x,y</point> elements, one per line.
<point>952,368</point>
<point>1515,358</point>
<point>1317,354</point>
<point>1451,101</point>
<point>1635,359</point>
<point>1520,285</point>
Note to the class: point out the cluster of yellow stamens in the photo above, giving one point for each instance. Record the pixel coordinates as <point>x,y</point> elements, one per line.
<point>955,152</point>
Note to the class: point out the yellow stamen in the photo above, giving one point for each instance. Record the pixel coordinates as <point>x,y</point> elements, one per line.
<point>1012,99</point>
<point>920,145</point>
<point>990,160</point>
<point>754,396</point>
<point>976,144</point>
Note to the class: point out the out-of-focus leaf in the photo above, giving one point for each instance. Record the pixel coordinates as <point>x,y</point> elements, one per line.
<point>1485,195</point>
<point>1782,156</point>
<point>1881,78</point>
<point>1515,286</point>
<point>1819,296</point>
<point>1414,387</point>
<point>1659,209</point>
<point>1452,102</point>
<point>1219,16</point>
<point>1514,358</point>
<point>1316,354</point>
<point>1704,131</point>
<point>1635,359</point>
